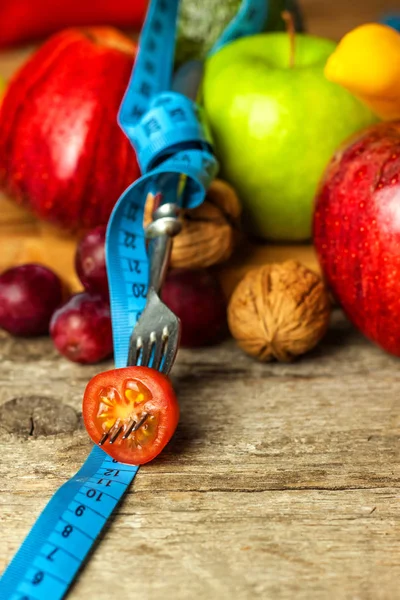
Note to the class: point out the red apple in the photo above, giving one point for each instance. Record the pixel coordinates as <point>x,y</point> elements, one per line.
<point>62,152</point>
<point>357,232</point>
<point>22,20</point>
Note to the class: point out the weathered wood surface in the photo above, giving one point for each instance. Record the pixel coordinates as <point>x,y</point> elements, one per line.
<point>282,481</point>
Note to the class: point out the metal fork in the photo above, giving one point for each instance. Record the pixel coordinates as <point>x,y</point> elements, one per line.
<point>155,339</point>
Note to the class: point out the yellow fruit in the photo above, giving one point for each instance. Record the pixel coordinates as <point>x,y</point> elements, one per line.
<point>367,63</point>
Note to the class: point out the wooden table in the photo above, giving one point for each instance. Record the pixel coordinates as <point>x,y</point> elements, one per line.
<point>282,481</point>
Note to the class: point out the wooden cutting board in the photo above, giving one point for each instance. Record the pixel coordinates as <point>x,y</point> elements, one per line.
<point>25,239</point>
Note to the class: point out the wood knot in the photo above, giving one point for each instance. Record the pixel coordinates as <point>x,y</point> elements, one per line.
<point>37,416</point>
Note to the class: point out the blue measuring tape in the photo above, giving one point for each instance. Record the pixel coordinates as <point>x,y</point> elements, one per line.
<point>170,139</point>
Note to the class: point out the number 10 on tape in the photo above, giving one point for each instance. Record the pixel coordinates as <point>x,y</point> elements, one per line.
<point>66,530</point>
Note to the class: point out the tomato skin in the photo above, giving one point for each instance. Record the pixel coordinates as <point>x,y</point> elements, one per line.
<point>162,403</point>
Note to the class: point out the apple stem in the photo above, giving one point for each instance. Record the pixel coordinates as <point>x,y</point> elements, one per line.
<point>287,16</point>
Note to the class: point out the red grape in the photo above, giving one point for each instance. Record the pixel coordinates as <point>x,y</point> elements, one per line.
<point>90,262</point>
<point>81,329</point>
<point>197,299</point>
<point>29,295</point>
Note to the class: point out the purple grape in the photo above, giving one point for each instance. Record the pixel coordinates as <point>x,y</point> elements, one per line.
<point>197,299</point>
<point>90,262</point>
<point>29,295</point>
<point>81,329</point>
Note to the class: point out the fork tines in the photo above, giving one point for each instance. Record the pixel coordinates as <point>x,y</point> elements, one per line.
<point>150,352</point>
<point>154,341</point>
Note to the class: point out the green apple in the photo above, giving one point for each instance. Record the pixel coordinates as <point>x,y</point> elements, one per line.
<point>275,127</point>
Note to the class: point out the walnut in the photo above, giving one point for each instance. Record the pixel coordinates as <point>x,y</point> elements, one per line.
<point>209,232</point>
<point>279,311</point>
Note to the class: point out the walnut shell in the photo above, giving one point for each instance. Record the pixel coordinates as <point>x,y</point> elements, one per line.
<point>209,232</point>
<point>279,311</point>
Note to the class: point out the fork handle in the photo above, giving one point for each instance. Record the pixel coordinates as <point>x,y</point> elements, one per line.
<point>160,233</point>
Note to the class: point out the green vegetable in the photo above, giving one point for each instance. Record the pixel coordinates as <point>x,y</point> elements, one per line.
<point>202,22</point>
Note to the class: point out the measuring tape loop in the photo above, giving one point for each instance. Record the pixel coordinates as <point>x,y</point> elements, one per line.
<point>153,69</point>
<point>171,122</point>
<point>171,139</point>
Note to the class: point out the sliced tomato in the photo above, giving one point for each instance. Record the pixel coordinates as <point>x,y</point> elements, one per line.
<point>131,413</point>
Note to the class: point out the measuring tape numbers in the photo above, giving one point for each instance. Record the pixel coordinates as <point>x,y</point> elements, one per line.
<point>61,538</point>
<point>170,139</point>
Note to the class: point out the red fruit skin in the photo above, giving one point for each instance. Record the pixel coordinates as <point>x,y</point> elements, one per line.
<point>62,152</point>
<point>197,299</point>
<point>29,295</point>
<point>357,232</point>
<point>90,262</point>
<point>22,20</point>
<point>81,329</point>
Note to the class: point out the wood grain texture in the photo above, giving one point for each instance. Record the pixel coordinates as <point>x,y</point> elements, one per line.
<point>282,481</point>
